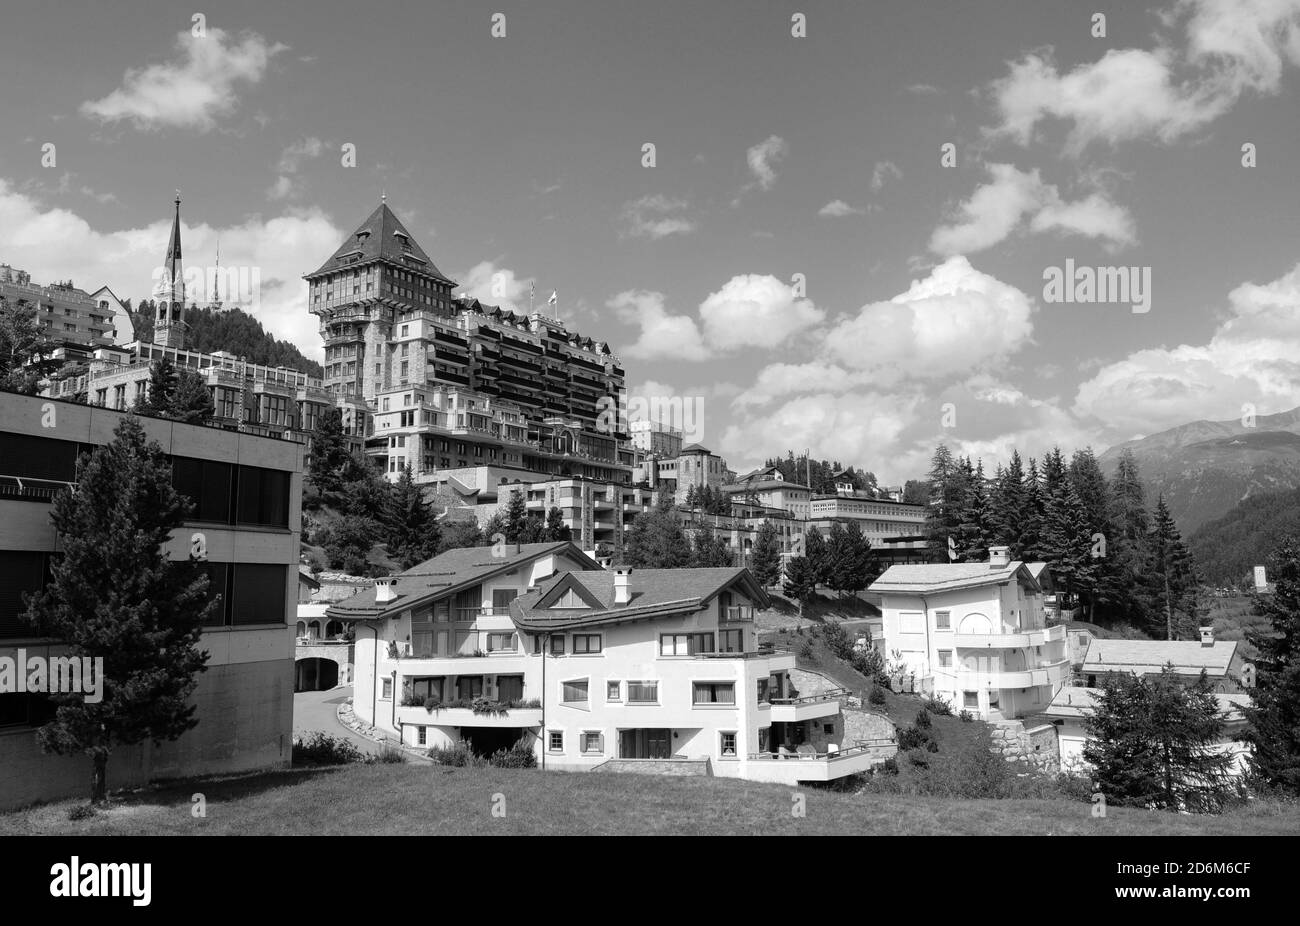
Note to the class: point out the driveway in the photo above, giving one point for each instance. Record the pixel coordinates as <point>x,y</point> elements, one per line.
<point>316,710</point>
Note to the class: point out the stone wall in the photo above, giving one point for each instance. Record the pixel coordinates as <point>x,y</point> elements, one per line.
<point>678,767</point>
<point>1036,747</point>
<point>860,725</point>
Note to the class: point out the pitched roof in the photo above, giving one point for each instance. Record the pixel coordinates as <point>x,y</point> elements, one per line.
<point>449,572</point>
<point>1076,702</point>
<point>941,577</point>
<point>654,593</point>
<point>379,238</point>
<point>696,448</point>
<point>764,485</point>
<point>1150,656</point>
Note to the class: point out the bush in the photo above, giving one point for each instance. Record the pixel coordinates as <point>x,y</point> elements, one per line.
<point>923,719</point>
<point>936,705</point>
<point>520,755</point>
<point>806,651</point>
<point>877,695</point>
<point>388,755</point>
<point>966,716</point>
<point>456,756</point>
<point>889,766</point>
<point>322,749</point>
<point>81,812</point>
<point>912,737</point>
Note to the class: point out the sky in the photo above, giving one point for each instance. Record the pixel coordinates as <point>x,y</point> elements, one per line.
<point>842,238</point>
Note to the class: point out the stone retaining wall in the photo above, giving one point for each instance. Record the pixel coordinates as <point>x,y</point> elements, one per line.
<point>679,767</point>
<point>1036,747</point>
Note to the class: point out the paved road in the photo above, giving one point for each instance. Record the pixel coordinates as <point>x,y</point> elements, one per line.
<point>316,710</point>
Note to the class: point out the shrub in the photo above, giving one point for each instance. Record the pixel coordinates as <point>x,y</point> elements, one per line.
<point>81,812</point>
<point>923,719</point>
<point>884,682</point>
<point>319,748</point>
<point>889,766</point>
<point>966,716</point>
<point>806,651</point>
<point>431,703</point>
<point>837,641</point>
<point>937,705</point>
<point>520,755</point>
<point>388,755</point>
<point>911,738</point>
<point>458,755</point>
<point>931,746</point>
<point>877,695</point>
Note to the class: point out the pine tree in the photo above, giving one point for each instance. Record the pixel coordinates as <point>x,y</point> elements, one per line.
<point>556,529</point>
<point>1007,508</point>
<point>854,563</point>
<point>1151,743</point>
<point>836,559</point>
<point>116,594</point>
<point>1065,542</point>
<point>458,534</point>
<point>328,455</point>
<point>1129,548</point>
<point>1031,529</point>
<point>1094,495</point>
<point>944,504</point>
<point>818,554</point>
<point>766,563</point>
<point>191,400</point>
<point>162,384</point>
<point>25,350</point>
<point>1273,729</point>
<point>412,527</point>
<point>708,549</point>
<point>515,517</point>
<point>1172,574</point>
<point>972,516</point>
<point>656,540</point>
<point>800,581</point>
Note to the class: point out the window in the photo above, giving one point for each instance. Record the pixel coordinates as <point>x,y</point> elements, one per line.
<point>642,692</point>
<point>715,693</point>
<point>733,641</point>
<point>388,690</point>
<point>421,736</point>
<point>970,699</point>
<point>500,642</point>
<point>727,744</point>
<point>943,620</point>
<point>674,644</point>
<point>593,743</point>
<point>469,687</point>
<point>258,594</point>
<point>613,691</point>
<point>555,741</point>
<point>263,497</point>
<point>945,658</point>
<point>575,691</point>
<point>501,598</point>
<point>557,645</point>
<point>510,688</point>
<point>570,599</point>
<point>586,643</point>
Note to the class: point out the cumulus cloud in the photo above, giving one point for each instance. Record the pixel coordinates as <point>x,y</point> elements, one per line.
<point>493,284</point>
<point>882,173</point>
<point>997,208</point>
<point>291,159</point>
<point>753,310</point>
<point>656,216</point>
<point>953,321</point>
<point>763,158</point>
<point>663,336</point>
<point>1227,48</point>
<point>1252,357</point>
<point>54,244</point>
<point>193,89</point>
<point>837,208</point>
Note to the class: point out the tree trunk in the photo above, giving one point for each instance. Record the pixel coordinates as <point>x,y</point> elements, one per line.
<point>99,778</point>
<point>1169,613</point>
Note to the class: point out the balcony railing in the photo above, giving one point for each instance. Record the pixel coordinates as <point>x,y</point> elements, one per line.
<point>831,694</point>
<point>761,653</point>
<point>28,489</point>
<point>857,748</point>
<point>737,613</point>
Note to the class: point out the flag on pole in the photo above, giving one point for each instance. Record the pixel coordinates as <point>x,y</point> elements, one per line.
<point>952,549</point>
<point>555,298</point>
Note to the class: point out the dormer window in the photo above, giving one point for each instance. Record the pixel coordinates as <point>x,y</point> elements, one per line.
<point>362,236</point>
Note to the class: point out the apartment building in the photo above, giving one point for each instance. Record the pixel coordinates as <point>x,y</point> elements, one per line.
<point>597,514</point>
<point>76,321</point>
<point>975,634</point>
<point>895,529</point>
<point>528,387</point>
<point>652,439</point>
<point>771,490</point>
<point>247,491</point>
<point>622,669</point>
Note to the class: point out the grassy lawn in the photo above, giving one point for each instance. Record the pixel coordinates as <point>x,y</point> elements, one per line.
<point>825,605</point>
<point>430,800</point>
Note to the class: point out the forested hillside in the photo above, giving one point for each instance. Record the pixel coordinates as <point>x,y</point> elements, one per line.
<point>232,330</point>
<point>1228,548</point>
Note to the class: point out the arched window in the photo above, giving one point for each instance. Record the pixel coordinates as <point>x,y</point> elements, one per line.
<point>333,629</point>
<point>301,629</point>
<point>975,623</point>
<point>313,629</point>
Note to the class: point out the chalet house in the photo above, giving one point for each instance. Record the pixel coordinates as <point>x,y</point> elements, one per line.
<point>974,634</point>
<point>1221,660</point>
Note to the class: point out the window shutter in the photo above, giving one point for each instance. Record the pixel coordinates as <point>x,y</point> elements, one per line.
<point>600,742</point>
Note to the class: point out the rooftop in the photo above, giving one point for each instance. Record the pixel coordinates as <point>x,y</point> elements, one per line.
<point>381,237</point>
<point>1076,702</point>
<point>941,577</point>
<point>1150,656</point>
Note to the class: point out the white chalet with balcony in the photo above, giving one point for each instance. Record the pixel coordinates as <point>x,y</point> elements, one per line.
<point>974,633</point>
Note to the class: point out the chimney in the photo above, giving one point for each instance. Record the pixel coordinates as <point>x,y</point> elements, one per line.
<point>999,557</point>
<point>622,587</point>
<point>1207,636</point>
<point>384,591</point>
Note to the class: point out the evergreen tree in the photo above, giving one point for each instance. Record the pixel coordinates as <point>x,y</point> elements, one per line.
<point>709,550</point>
<point>656,540</point>
<point>834,557</point>
<point>116,594</point>
<point>1008,508</point>
<point>1129,548</point>
<point>556,529</point>
<point>1031,529</point>
<point>854,563</point>
<point>1173,580</point>
<point>800,581</point>
<point>162,384</point>
<point>412,527</point>
<point>1273,718</point>
<point>1095,499</point>
<point>328,455</point>
<point>457,534</point>
<point>944,505</point>
<point>972,517</point>
<point>1151,743</point>
<point>818,554</point>
<point>25,351</point>
<point>191,400</point>
<point>515,517</point>
<point>1065,542</point>
<point>766,563</point>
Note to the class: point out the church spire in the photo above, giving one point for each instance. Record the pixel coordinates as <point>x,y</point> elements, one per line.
<point>169,324</point>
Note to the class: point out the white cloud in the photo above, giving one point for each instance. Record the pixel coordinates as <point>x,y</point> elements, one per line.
<point>837,208</point>
<point>54,244</point>
<point>764,157</point>
<point>882,173</point>
<point>1229,47</point>
<point>492,284</point>
<point>193,89</point>
<point>753,310</point>
<point>663,336</point>
<point>923,89</point>
<point>1253,358</point>
<point>656,216</point>
<point>953,321</point>
<point>291,159</point>
<point>997,208</point>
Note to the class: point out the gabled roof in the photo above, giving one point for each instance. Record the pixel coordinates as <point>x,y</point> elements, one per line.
<point>927,578</point>
<point>1150,656</point>
<point>764,485</point>
<point>696,448</point>
<point>451,572</point>
<point>655,593</point>
<point>1078,702</point>
<point>380,238</point>
<point>305,575</point>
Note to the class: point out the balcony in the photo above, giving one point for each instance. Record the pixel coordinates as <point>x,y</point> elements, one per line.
<point>778,659</point>
<point>28,489</point>
<point>812,707</point>
<point>458,716</point>
<point>1052,673</point>
<point>791,768</point>
<point>737,614</point>
<point>1037,637</point>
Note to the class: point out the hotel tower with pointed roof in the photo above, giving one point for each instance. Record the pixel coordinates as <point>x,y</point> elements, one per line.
<point>456,385</point>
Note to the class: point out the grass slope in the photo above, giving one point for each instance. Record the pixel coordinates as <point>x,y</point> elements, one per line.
<point>425,800</point>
